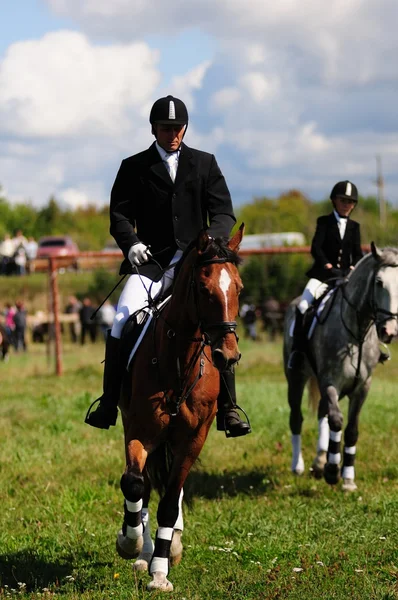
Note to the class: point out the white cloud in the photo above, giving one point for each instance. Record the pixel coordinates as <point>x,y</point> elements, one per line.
<point>61,85</point>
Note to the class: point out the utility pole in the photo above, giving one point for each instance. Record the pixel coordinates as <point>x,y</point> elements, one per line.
<point>380,192</point>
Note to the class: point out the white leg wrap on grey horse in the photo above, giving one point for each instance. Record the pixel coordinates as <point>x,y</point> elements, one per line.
<point>297,458</point>
<point>323,435</point>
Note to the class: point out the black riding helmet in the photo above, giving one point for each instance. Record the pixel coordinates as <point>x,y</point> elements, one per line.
<point>168,111</point>
<point>345,189</point>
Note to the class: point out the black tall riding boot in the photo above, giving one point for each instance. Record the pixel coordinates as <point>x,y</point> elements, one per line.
<point>297,354</point>
<point>105,414</point>
<point>228,419</point>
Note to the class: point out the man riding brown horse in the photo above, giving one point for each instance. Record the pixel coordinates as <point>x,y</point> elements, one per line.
<point>161,199</point>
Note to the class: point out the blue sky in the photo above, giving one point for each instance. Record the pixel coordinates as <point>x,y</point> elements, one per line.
<point>284,95</point>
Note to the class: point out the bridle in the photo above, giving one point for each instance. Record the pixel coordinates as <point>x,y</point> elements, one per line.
<point>211,332</point>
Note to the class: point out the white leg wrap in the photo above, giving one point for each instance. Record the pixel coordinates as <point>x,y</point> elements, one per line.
<point>297,458</point>
<point>350,449</point>
<point>335,436</point>
<point>159,565</point>
<point>348,473</point>
<point>134,507</point>
<point>165,533</point>
<point>148,543</point>
<point>334,459</point>
<point>134,532</point>
<point>323,435</point>
<point>179,524</point>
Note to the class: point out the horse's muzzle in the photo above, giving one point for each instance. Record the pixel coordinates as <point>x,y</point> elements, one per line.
<point>387,330</point>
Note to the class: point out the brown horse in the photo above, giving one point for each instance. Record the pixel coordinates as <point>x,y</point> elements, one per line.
<point>169,402</point>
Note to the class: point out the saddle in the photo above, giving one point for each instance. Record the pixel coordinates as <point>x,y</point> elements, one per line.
<point>135,329</point>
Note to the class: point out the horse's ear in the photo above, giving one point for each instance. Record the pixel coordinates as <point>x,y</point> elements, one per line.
<point>235,241</point>
<point>202,242</point>
<point>375,251</point>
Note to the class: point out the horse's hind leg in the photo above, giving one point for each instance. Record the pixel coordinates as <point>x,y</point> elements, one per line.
<point>130,538</point>
<point>296,384</point>
<point>318,464</point>
<point>176,543</point>
<point>145,556</point>
<point>351,438</point>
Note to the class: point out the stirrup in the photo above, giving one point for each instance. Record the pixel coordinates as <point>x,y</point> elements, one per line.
<point>89,409</point>
<point>292,357</point>
<point>103,417</point>
<point>238,432</point>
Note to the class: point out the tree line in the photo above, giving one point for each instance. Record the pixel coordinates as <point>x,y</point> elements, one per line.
<point>282,276</point>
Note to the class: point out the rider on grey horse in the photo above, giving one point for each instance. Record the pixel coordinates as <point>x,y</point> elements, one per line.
<point>336,249</point>
<point>160,201</point>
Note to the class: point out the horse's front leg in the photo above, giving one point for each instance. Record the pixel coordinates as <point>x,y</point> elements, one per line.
<point>357,400</point>
<point>296,384</point>
<point>168,547</point>
<point>145,556</point>
<point>130,539</point>
<point>332,467</point>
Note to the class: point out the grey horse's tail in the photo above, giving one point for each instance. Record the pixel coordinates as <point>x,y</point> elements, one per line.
<point>314,394</point>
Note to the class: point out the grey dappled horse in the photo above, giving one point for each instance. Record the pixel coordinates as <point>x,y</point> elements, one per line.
<point>342,353</point>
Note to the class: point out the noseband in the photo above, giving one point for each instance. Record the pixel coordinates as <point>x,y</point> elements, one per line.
<point>211,332</point>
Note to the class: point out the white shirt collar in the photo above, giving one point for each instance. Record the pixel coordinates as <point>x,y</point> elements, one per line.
<point>166,155</point>
<point>338,218</point>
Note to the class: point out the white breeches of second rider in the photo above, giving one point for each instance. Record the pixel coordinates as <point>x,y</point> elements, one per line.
<point>313,289</point>
<point>135,294</point>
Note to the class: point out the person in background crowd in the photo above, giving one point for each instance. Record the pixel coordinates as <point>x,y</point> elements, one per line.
<point>272,317</point>
<point>249,319</point>
<point>31,253</point>
<point>160,201</point>
<point>105,317</point>
<point>73,308</point>
<point>19,256</point>
<point>9,313</point>
<point>87,323</point>
<point>7,250</point>
<point>20,322</point>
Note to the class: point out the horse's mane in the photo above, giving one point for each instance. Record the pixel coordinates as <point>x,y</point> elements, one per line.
<point>217,247</point>
<point>389,257</point>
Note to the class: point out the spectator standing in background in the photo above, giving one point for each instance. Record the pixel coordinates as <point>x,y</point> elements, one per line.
<point>31,253</point>
<point>249,319</point>
<point>7,249</point>
<point>73,308</point>
<point>272,317</point>
<point>105,317</point>
<point>87,323</point>
<point>20,242</point>
<point>20,327</point>
<point>9,313</point>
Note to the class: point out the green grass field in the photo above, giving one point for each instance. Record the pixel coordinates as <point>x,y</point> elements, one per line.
<point>253,532</point>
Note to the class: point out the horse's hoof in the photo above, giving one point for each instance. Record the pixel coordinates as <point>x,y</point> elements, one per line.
<point>128,548</point>
<point>142,562</point>
<point>298,467</point>
<point>349,485</point>
<point>176,548</point>
<point>331,474</point>
<point>159,582</point>
<point>318,465</point>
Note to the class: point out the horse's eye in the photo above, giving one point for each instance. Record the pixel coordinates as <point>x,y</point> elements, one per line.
<point>379,283</point>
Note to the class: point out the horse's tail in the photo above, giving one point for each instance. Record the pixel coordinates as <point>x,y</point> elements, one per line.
<point>313,394</point>
<point>158,465</point>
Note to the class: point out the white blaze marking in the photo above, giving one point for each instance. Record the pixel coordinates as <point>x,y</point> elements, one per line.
<point>225,282</point>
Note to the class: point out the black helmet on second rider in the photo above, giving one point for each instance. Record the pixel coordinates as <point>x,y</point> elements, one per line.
<point>346,190</point>
<point>169,111</point>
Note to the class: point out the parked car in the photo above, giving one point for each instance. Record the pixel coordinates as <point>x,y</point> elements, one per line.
<point>57,245</point>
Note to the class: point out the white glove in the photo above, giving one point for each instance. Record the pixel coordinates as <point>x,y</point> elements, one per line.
<point>139,254</point>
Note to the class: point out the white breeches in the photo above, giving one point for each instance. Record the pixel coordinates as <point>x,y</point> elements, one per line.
<point>313,289</point>
<point>135,294</point>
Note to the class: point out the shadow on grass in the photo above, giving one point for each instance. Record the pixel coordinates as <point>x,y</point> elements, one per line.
<point>36,572</point>
<point>212,486</point>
